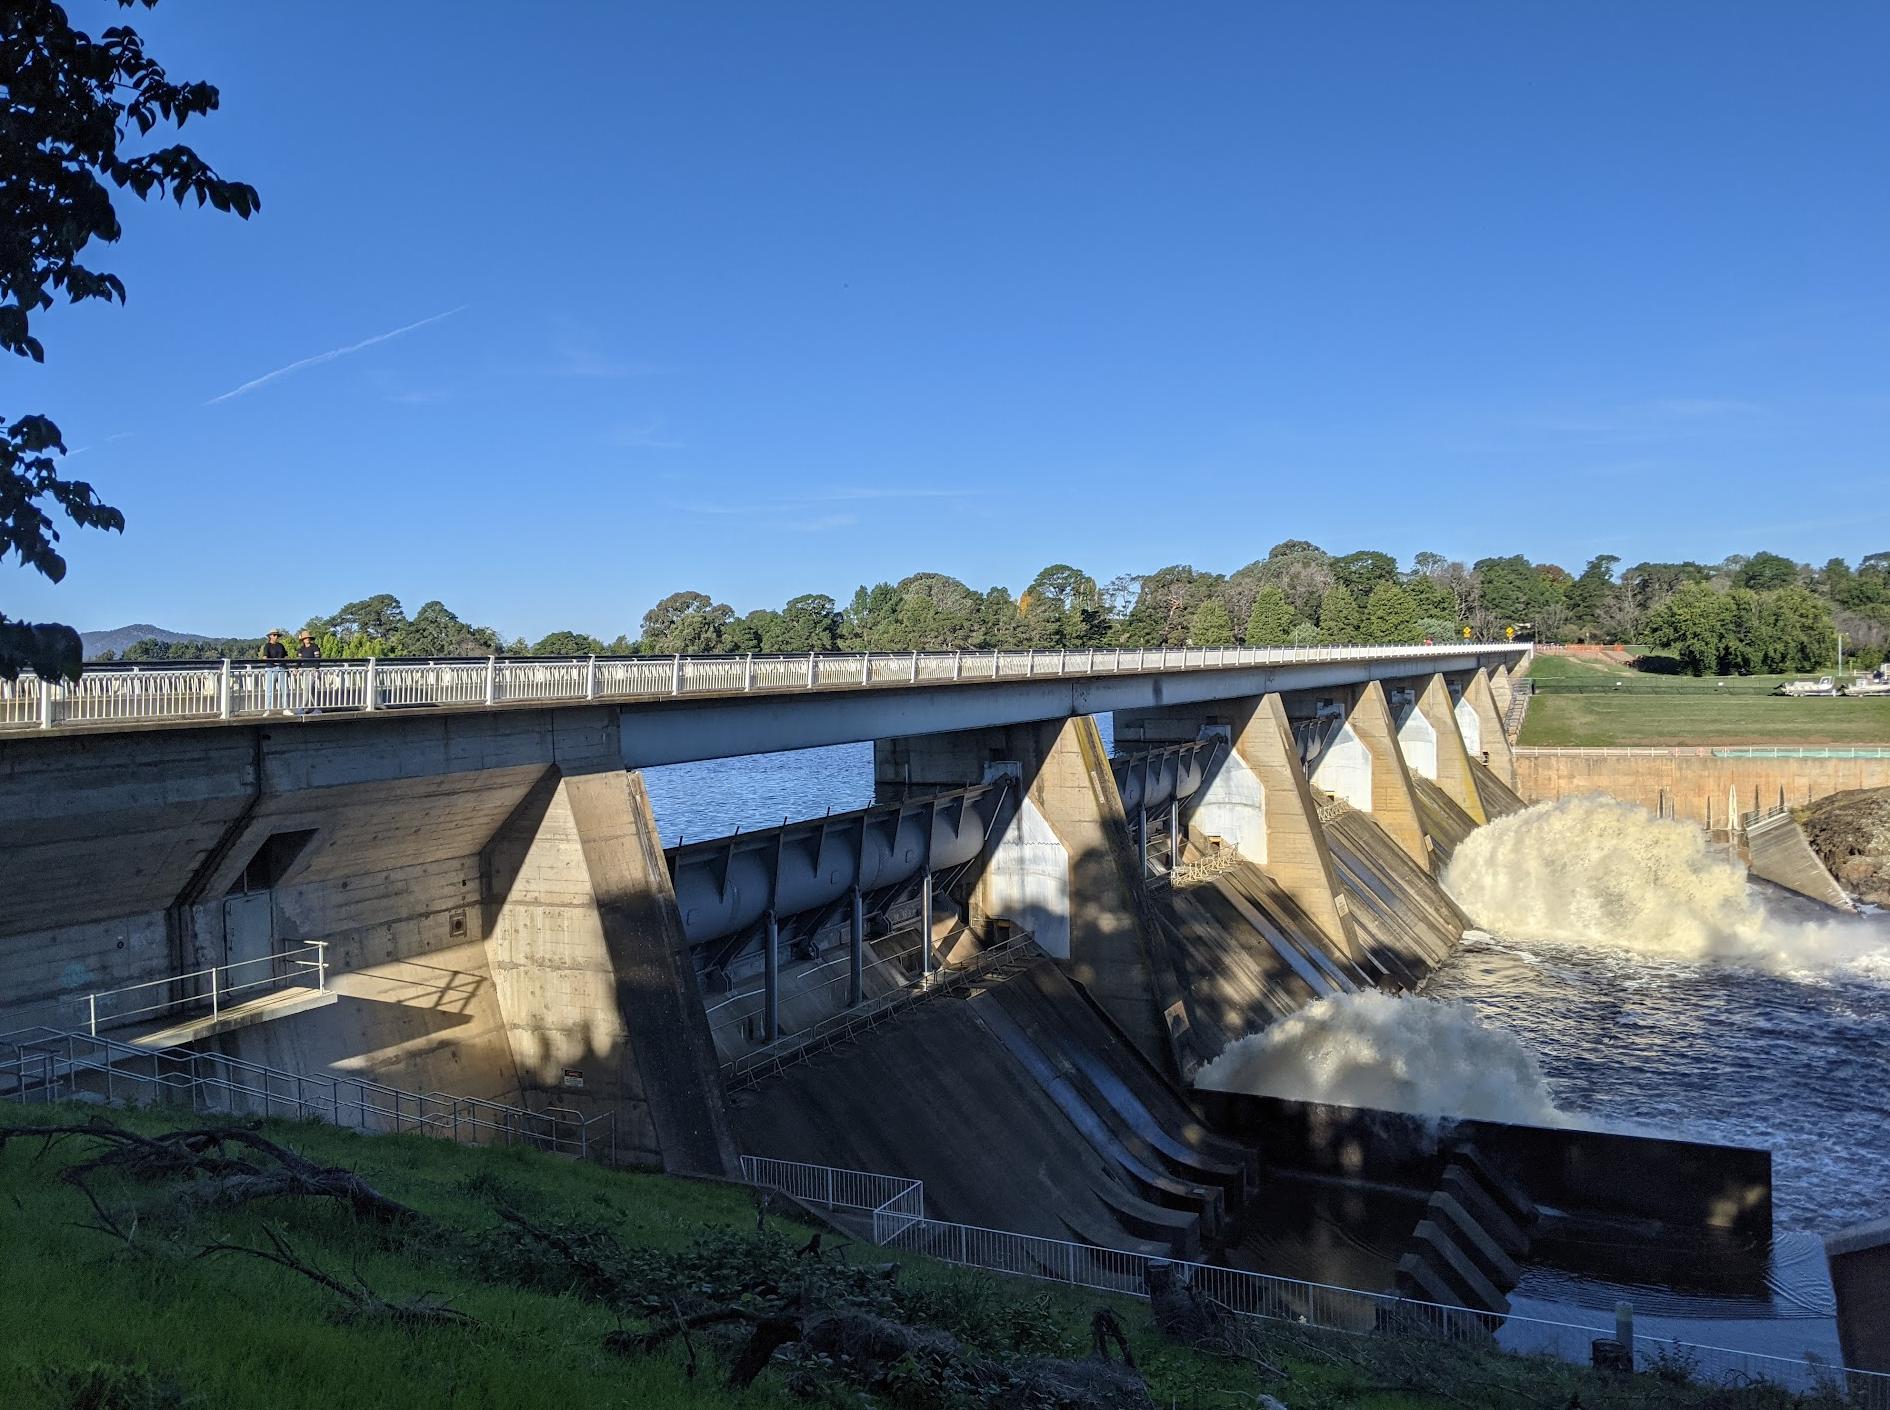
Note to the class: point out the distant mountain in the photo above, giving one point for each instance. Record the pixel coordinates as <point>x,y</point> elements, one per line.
<point>118,638</point>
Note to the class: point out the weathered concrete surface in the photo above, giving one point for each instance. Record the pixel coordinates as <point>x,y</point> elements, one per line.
<point>1406,924</point>
<point>1020,1109</point>
<point>668,1047</point>
<point>1453,775</point>
<point>1850,832</point>
<point>1065,777</point>
<point>1778,852</point>
<point>1445,823</point>
<point>1261,739</point>
<point>1498,798</point>
<point>146,855</point>
<point>1500,689</point>
<point>1493,740</point>
<point>1394,805</point>
<point>1698,784</point>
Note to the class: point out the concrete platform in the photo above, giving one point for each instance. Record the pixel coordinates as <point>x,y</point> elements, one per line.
<point>283,1003</point>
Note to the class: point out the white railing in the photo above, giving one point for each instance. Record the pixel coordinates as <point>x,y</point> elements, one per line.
<point>232,690</point>
<point>893,1200</point>
<point>215,988</point>
<point>899,1221</point>
<point>50,1065</point>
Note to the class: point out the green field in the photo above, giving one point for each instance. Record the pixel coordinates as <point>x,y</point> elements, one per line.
<point>1586,703</point>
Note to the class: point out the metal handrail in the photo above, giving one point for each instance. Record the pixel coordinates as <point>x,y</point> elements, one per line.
<point>900,1222</point>
<point>47,1064</point>
<point>219,989</point>
<point>239,690</point>
<point>751,1067</point>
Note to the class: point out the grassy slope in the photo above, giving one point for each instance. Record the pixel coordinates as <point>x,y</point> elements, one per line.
<point>1663,709</point>
<point>236,1332</point>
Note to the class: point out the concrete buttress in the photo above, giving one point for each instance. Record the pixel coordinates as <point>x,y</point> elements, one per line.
<point>1070,806</point>
<point>1297,857</point>
<point>599,994</point>
<point>1500,689</point>
<point>1394,797</point>
<point>1494,739</point>
<point>1067,776</point>
<point>1453,760</point>
<point>1292,850</point>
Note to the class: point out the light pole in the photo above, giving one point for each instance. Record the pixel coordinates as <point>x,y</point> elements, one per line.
<point>1840,674</point>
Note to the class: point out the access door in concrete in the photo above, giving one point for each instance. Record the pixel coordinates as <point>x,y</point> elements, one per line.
<point>249,930</point>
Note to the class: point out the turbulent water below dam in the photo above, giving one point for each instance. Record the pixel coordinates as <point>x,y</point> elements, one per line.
<point>1625,974</point>
<point>1658,989</point>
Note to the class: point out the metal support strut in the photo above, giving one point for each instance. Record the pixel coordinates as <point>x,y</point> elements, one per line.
<point>856,968</point>
<point>927,963</point>
<point>771,995</point>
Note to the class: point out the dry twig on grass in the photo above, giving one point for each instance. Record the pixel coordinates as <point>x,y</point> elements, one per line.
<point>362,1302</point>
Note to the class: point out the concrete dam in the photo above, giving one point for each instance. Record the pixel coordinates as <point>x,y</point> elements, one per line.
<point>1003,977</point>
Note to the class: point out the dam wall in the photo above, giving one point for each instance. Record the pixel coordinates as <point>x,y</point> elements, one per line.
<point>1701,784</point>
<point>495,910</point>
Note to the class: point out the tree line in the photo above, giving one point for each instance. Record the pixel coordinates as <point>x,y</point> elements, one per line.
<point>1743,614</point>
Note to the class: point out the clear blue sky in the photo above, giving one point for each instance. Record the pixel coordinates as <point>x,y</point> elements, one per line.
<point>779,297</point>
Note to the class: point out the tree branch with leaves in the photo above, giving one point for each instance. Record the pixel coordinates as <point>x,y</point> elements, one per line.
<point>70,104</point>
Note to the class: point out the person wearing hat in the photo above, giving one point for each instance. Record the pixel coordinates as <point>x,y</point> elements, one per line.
<point>275,673</point>
<point>307,654</point>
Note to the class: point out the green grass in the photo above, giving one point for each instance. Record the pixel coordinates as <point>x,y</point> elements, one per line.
<point>81,1310</point>
<point>1653,708</point>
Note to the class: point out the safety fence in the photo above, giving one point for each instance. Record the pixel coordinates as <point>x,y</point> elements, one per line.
<point>226,690</point>
<point>892,1200</point>
<point>899,1222</point>
<point>214,989</point>
<point>50,1064</point>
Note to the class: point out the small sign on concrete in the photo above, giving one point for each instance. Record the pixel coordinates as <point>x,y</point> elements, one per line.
<point>573,1080</point>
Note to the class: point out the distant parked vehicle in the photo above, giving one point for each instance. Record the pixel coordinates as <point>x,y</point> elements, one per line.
<point>1876,683</point>
<point>1823,685</point>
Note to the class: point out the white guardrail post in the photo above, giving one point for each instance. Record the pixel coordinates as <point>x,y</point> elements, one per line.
<point>373,685</point>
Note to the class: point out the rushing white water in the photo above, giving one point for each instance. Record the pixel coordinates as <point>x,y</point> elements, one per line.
<point>1398,1054</point>
<point>1590,870</point>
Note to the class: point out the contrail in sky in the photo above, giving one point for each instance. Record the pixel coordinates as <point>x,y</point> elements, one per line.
<point>331,355</point>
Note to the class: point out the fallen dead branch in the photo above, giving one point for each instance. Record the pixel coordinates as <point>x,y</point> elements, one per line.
<point>361,1303</point>
<point>219,1165</point>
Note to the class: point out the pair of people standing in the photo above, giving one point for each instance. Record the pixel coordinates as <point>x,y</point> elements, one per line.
<point>276,677</point>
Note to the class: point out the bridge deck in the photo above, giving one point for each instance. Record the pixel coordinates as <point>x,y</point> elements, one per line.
<point>139,697</point>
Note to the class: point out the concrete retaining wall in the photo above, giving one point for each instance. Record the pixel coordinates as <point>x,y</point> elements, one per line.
<point>1684,1183</point>
<point>1691,783</point>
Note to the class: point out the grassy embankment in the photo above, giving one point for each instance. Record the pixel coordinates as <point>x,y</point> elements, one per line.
<point>86,1321</point>
<point>116,1305</point>
<point>1624,706</point>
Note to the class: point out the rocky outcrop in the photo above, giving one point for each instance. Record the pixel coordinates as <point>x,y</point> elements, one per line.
<point>1850,832</point>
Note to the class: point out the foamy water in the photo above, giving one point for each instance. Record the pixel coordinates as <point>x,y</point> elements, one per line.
<point>1659,990</point>
<point>1593,871</point>
<point>1396,1053</point>
<point>1633,979</point>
